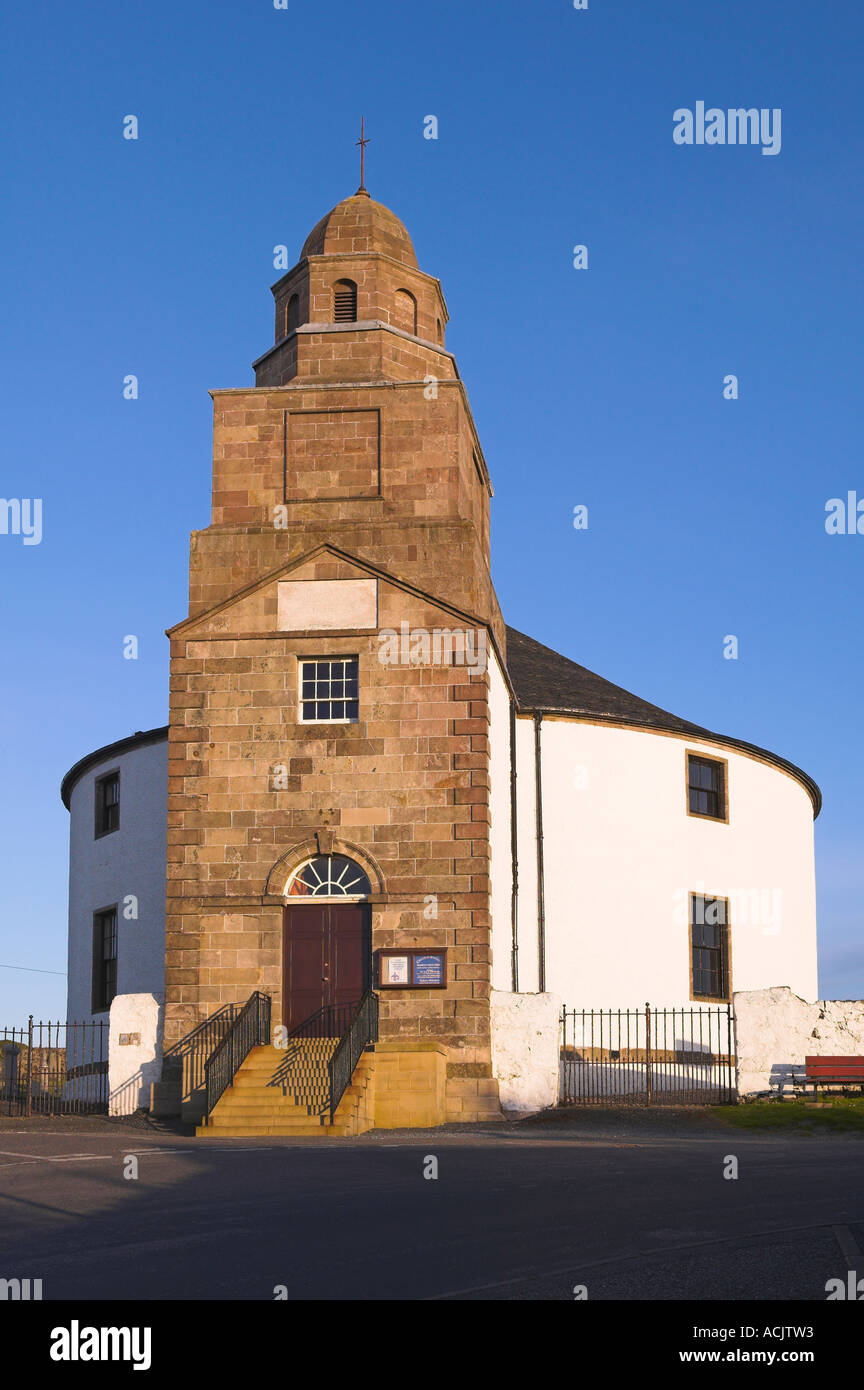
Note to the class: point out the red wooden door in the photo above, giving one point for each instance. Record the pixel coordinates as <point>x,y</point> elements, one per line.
<point>304,939</point>
<point>326,958</point>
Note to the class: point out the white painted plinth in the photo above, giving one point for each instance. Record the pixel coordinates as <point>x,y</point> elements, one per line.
<point>525,1049</point>
<point>134,1051</point>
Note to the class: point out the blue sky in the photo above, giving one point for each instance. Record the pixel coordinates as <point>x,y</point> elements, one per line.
<point>602,387</point>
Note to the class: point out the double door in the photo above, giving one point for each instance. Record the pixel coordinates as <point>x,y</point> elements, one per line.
<point>326,960</point>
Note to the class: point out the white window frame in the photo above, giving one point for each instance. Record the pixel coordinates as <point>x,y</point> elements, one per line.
<point>336,656</point>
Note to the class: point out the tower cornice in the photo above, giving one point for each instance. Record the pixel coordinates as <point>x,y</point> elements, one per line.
<point>358,326</point>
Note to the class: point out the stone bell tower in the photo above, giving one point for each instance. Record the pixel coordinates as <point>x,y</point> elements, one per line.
<point>350,499</point>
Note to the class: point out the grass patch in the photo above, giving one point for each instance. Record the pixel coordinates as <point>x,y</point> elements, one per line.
<point>838,1115</point>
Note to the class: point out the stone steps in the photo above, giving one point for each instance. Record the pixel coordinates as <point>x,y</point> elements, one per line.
<point>286,1091</point>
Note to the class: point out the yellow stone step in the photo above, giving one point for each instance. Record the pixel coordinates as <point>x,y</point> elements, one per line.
<point>311,1047</point>
<point>266,1076</point>
<point>277,1078</point>
<point>262,1108</point>
<point>282,1073</point>
<point>242,1117</point>
<point>278,1056</point>
<point>243,1099</point>
<point>264,1131</point>
<point>292,1123</point>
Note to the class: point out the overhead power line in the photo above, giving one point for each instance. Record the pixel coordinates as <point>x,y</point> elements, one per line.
<point>32,969</point>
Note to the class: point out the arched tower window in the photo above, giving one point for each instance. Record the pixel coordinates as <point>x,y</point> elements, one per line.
<point>344,302</point>
<point>330,876</point>
<point>405,311</point>
<point>439,331</point>
<point>292,313</point>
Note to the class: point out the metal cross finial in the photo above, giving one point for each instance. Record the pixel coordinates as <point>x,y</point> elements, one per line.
<point>362,142</point>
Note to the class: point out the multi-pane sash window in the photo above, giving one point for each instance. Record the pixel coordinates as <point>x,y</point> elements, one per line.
<point>706,787</point>
<point>104,958</point>
<point>329,690</point>
<point>107,803</point>
<point>709,946</point>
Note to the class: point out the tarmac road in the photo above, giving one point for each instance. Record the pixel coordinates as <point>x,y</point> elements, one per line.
<point>632,1207</point>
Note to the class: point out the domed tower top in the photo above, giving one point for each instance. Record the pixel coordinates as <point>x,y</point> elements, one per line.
<point>358,224</point>
<point>356,306</point>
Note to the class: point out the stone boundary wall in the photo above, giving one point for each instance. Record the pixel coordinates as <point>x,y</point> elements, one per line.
<point>776,1030</point>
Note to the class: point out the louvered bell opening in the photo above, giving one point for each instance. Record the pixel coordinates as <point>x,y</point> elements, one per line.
<point>345,303</point>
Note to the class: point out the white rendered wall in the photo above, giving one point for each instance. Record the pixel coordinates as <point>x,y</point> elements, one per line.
<point>622,856</point>
<point>526,821</point>
<point>500,843</point>
<point>128,862</point>
<point>775,1031</point>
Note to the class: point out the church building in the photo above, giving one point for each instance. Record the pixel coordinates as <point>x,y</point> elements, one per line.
<point>376,809</point>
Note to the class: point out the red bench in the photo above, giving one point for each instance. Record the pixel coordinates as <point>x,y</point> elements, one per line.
<point>834,1071</point>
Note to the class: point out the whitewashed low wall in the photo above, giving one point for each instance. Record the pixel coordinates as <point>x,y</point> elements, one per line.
<point>775,1031</point>
<point>134,1051</point>
<point>525,1049</point>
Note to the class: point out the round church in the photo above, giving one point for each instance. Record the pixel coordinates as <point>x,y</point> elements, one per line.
<point>381,826</point>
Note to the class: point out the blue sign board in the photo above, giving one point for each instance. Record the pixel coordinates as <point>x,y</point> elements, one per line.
<point>429,969</point>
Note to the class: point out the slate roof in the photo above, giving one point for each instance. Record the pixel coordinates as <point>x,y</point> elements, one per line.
<point>111,750</point>
<point>546,682</point>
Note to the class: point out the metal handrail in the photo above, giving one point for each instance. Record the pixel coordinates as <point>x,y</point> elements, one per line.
<point>186,1060</point>
<point>222,1018</point>
<point>361,1031</point>
<point>251,1028</point>
<point>331,1021</point>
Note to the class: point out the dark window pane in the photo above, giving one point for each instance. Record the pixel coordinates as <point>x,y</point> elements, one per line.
<point>706,790</point>
<point>107,804</point>
<point>105,959</point>
<point>709,946</point>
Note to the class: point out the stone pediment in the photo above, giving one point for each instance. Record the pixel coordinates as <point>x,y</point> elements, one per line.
<point>325,590</point>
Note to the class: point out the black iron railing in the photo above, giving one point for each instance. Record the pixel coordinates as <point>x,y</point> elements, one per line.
<point>251,1028</point>
<point>648,1056</point>
<point>359,1033</point>
<point>54,1068</point>
<point>187,1059</point>
<point>330,1022</point>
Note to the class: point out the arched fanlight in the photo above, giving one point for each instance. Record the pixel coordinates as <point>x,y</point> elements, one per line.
<point>330,876</point>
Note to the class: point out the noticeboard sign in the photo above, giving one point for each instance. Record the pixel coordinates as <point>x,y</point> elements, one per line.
<point>421,967</point>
